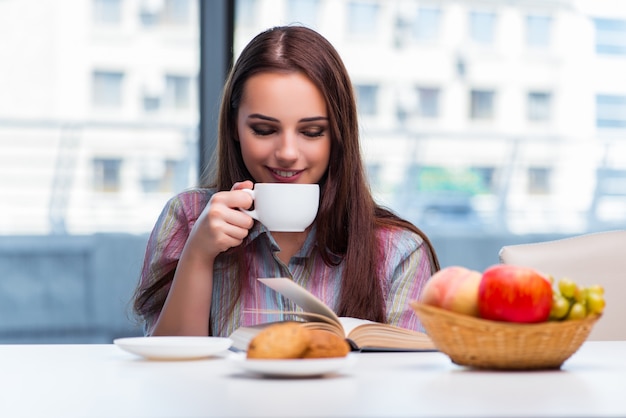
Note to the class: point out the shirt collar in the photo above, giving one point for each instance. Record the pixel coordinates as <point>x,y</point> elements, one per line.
<point>259,230</point>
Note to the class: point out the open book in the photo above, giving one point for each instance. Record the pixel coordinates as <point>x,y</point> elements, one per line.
<point>362,334</point>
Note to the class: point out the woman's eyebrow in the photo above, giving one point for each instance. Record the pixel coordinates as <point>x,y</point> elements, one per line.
<point>271,119</point>
<point>263,117</point>
<point>314,119</point>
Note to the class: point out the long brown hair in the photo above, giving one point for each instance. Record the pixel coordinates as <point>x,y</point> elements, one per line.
<point>348,215</point>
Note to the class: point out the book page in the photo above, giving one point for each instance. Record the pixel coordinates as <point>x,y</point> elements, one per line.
<point>351,323</point>
<point>307,316</point>
<point>361,333</point>
<point>300,296</point>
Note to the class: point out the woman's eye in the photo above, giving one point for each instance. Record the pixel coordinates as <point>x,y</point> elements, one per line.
<point>313,133</point>
<point>263,130</point>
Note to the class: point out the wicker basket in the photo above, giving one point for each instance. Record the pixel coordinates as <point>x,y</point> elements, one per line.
<point>484,344</point>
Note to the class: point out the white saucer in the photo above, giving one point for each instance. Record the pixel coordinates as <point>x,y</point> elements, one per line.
<point>293,368</point>
<point>174,348</point>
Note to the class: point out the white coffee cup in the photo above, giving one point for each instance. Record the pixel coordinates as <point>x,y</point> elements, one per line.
<point>283,207</point>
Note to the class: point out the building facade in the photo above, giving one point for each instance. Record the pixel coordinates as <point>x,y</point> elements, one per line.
<point>480,115</point>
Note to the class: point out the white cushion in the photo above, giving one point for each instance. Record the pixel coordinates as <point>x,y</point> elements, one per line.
<point>596,258</point>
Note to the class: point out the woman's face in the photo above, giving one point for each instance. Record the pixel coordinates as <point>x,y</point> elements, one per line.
<point>283,129</point>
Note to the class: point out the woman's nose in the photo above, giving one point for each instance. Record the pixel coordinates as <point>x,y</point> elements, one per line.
<point>287,147</point>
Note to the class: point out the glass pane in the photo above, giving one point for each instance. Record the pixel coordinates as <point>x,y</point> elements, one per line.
<point>487,140</point>
<point>427,24</point>
<point>89,156</point>
<point>482,27</point>
<point>107,12</point>
<point>538,180</point>
<point>362,17</point>
<point>428,102</point>
<point>539,106</point>
<point>610,36</point>
<point>610,111</point>
<point>538,31</point>
<point>107,89</point>
<point>303,12</point>
<point>367,98</point>
<point>481,104</point>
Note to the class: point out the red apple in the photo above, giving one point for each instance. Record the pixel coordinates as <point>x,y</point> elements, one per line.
<point>514,294</point>
<point>453,288</point>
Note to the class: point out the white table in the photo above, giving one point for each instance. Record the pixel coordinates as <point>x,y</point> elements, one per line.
<point>104,381</point>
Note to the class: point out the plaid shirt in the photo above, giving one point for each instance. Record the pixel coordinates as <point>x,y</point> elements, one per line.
<point>406,268</point>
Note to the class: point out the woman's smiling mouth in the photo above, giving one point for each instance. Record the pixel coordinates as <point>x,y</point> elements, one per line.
<point>285,173</point>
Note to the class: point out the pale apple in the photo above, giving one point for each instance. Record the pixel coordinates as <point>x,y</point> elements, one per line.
<point>514,294</point>
<point>453,288</point>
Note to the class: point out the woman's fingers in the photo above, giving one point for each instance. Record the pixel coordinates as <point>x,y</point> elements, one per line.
<point>222,225</point>
<point>246,184</point>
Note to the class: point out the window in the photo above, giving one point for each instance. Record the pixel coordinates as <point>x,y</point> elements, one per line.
<point>106,174</point>
<point>367,99</point>
<point>151,104</point>
<point>482,104</point>
<point>107,12</point>
<point>610,111</point>
<point>427,23</point>
<point>74,140</point>
<point>374,174</point>
<point>611,182</point>
<point>538,31</point>
<point>428,102</point>
<point>177,92</point>
<point>176,12</point>
<point>487,178</point>
<point>107,89</point>
<point>362,18</point>
<point>303,12</point>
<point>165,12</point>
<point>610,36</point>
<point>158,176</point>
<point>39,106</point>
<point>610,198</point>
<point>245,12</point>
<point>149,14</point>
<point>482,27</point>
<point>539,106</point>
<point>539,180</point>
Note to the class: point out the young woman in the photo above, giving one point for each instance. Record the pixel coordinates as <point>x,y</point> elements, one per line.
<point>288,114</point>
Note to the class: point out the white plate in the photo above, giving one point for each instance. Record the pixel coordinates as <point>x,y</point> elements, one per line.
<point>174,348</point>
<point>294,368</point>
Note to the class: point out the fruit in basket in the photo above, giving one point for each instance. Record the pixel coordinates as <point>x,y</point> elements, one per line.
<point>453,288</point>
<point>595,301</point>
<point>560,306</point>
<point>514,294</point>
<point>571,301</point>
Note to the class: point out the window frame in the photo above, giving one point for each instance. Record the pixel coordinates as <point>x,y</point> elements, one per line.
<point>217,31</point>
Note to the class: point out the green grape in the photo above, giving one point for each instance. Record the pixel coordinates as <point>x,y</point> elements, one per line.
<point>580,294</point>
<point>568,288</point>
<point>595,302</point>
<point>560,306</point>
<point>577,311</point>
<point>596,288</point>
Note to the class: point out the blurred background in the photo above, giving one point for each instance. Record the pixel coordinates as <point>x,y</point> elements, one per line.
<point>485,122</point>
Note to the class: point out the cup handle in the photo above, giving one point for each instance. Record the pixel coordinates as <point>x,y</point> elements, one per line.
<point>252,212</point>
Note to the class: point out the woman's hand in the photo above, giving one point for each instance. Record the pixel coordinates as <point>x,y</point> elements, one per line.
<point>222,225</point>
